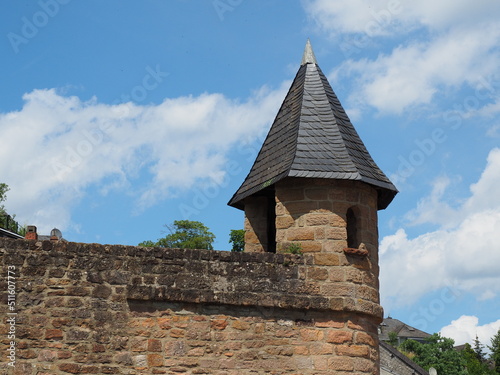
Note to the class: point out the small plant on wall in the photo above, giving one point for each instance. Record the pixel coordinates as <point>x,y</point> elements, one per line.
<point>292,248</point>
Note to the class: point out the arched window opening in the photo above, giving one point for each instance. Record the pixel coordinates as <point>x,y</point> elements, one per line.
<point>352,229</point>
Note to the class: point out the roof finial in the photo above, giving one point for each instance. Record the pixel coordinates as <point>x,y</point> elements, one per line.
<point>308,57</point>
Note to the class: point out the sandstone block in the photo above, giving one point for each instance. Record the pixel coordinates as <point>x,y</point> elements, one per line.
<point>341,363</point>
<point>336,233</point>
<point>155,360</point>
<point>317,219</point>
<point>353,350</point>
<point>326,259</point>
<point>284,222</point>
<point>338,336</point>
<point>311,334</point>
<point>311,246</point>
<point>317,273</point>
<point>300,234</point>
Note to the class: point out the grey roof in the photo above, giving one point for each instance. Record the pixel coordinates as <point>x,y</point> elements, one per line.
<point>399,363</point>
<point>9,234</point>
<point>402,330</point>
<point>313,137</point>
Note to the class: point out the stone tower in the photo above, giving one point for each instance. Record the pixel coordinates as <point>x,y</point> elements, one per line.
<point>314,184</point>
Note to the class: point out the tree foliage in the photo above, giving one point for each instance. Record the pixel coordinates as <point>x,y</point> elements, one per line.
<point>437,352</point>
<point>185,234</point>
<point>495,351</point>
<point>479,350</point>
<point>237,239</point>
<point>473,364</point>
<point>7,221</point>
<point>393,339</point>
<point>4,188</point>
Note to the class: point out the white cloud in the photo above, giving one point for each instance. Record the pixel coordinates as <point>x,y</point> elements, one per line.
<point>412,74</point>
<point>395,16</point>
<point>464,330</point>
<point>433,209</point>
<point>57,146</point>
<point>353,16</point>
<point>457,44</point>
<point>461,252</point>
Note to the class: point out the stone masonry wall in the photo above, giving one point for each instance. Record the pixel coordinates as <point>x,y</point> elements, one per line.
<point>255,225</point>
<point>312,213</point>
<point>96,309</point>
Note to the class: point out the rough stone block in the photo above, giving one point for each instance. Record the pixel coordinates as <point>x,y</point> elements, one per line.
<point>336,233</point>
<point>317,219</point>
<point>300,234</point>
<point>338,336</point>
<point>284,222</point>
<point>324,259</point>
<point>311,246</point>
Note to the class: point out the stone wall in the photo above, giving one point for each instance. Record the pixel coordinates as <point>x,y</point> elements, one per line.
<point>312,212</point>
<point>96,309</point>
<point>394,362</point>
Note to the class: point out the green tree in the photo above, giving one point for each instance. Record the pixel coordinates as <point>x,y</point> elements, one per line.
<point>474,365</point>
<point>237,239</point>
<point>7,221</point>
<point>495,351</point>
<point>393,339</point>
<point>4,188</point>
<point>437,352</point>
<point>479,350</point>
<point>185,234</point>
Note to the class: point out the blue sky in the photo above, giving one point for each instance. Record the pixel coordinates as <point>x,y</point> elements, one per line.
<point>118,117</point>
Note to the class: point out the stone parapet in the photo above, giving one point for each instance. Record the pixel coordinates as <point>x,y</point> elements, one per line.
<point>89,308</point>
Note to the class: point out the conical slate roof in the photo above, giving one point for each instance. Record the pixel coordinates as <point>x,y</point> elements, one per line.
<point>312,137</point>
